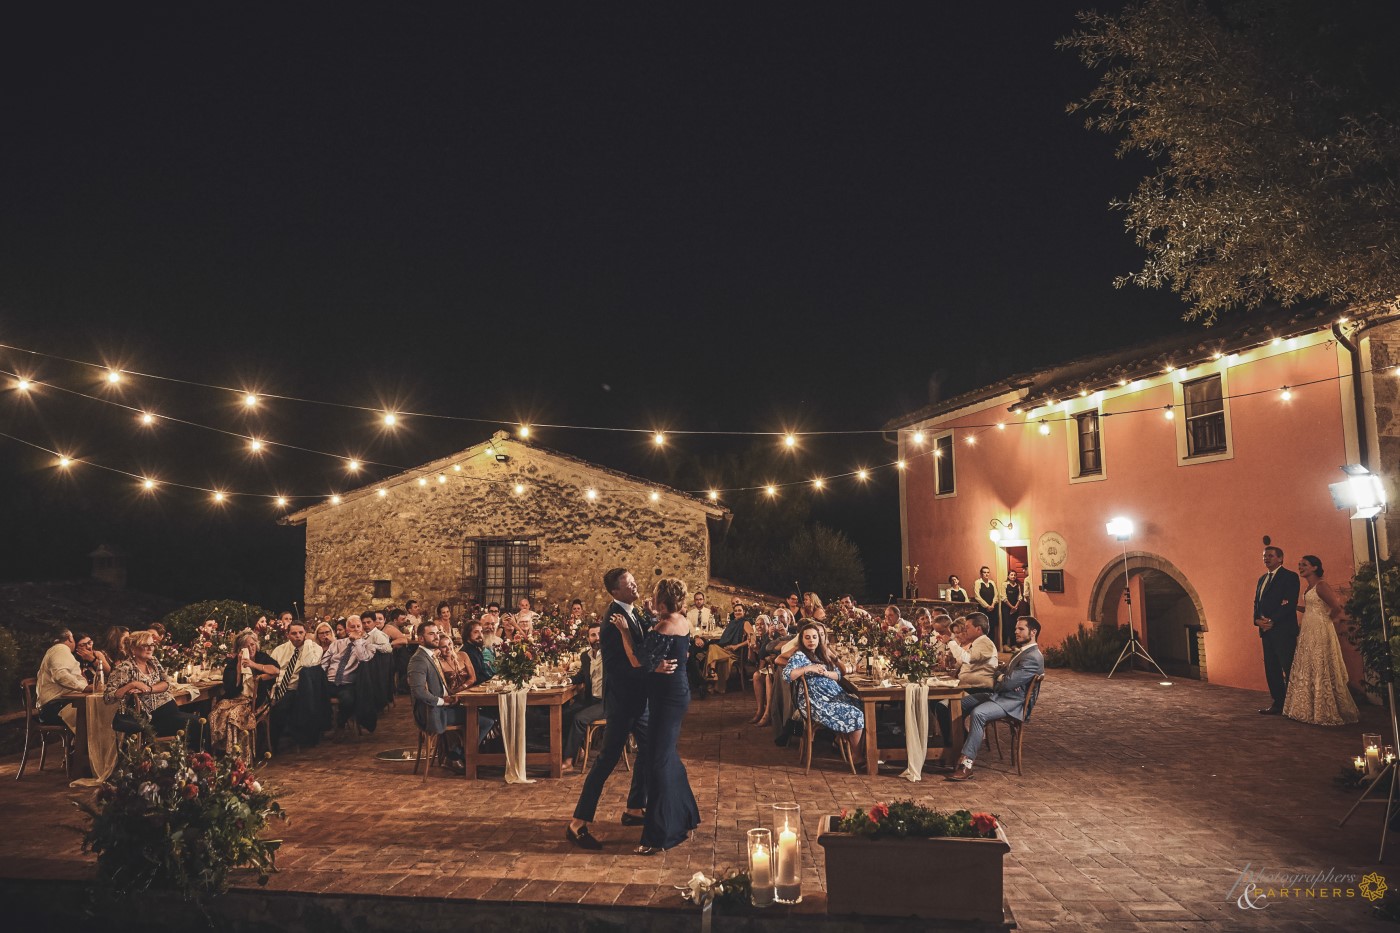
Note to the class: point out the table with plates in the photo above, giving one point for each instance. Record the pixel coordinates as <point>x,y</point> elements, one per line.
<point>553,698</point>
<point>871,693</point>
<point>95,741</point>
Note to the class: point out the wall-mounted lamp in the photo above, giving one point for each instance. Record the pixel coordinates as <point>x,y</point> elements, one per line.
<point>1001,530</point>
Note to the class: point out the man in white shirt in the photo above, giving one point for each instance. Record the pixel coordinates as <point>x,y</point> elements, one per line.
<point>587,707</point>
<point>60,673</point>
<point>374,632</point>
<point>297,652</point>
<point>895,623</point>
<point>975,652</point>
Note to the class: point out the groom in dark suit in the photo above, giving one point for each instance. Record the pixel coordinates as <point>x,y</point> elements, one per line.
<point>1276,615</point>
<point>625,707</point>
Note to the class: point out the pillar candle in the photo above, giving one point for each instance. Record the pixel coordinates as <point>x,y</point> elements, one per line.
<point>762,877</point>
<point>787,857</point>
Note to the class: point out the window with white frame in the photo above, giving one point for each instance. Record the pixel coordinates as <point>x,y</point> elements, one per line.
<point>1089,447</point>
<point>1204,403</point>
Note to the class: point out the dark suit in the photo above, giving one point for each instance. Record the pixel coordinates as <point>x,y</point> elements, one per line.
<point>426,687</point>
<point>625,704</point>
<point>1278,602</point>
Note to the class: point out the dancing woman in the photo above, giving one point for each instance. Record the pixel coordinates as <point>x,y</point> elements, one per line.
<point>671,809</point>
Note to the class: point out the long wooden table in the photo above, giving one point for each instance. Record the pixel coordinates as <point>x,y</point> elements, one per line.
<point>94,714</point>
<point>552,697</point>
<point>871,694</point>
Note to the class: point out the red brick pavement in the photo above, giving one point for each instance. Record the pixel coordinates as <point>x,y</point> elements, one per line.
<point>1139,808</point>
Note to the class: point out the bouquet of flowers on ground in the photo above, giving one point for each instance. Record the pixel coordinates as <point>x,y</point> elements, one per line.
<point>907,818</point>
<point>911,657</point>
<point>170,820</point>
<point>516,662</point>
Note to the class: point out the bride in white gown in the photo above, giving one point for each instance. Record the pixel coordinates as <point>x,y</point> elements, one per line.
<point>1317,685</point>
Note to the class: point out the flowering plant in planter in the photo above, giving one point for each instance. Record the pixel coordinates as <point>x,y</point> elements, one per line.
<point>906,818</point>
<point>169,819</point>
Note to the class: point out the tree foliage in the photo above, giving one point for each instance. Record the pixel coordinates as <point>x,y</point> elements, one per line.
<point>1275,126</point>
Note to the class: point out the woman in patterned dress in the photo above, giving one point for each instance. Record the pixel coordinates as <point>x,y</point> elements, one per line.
<point>832,707</point>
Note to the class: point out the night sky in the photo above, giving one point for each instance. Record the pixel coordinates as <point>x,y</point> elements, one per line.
<point>743,217</point>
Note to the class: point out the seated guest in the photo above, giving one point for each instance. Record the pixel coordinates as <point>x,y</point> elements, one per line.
<point>435,708</point>
<point>206,634</point>
<point>956,593</point>
<point>341,629</point>
<point>895,624</point>
<point>159,632</point>
<point>587,707</point>
<point>1007,696</point>
<point>374,634</point>
<point>831,706</point>
<point>846,607</point>
<point>297,652</point>
<point>261,627</point>
<point>794,606</point>
<point>60,672</point>
<point>575,619</point>
<point>525,617</point>
<point>342,661</point>
<point>414,614</point>
<point>783,619</point>
<point>479,670</point>
<point>114,643</point>
<point>764,645</point>
<point>389,625</point>
<point>92,661</point>
<point>510,632</point>
<point>453,662</point>
<point>444,619</point>
<point>975,652</point>
<point>717,655</point>
<point>403,646</point>
<point>324,635</point>
<point>248,679</point>
<point>812,608</point>
<point>142,677</point>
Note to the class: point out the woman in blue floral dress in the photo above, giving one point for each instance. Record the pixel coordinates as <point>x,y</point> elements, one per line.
<point>832,707</point>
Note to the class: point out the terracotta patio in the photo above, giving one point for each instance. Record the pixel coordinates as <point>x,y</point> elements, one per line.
<point>1139,808</point>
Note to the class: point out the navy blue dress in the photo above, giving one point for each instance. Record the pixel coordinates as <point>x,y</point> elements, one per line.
<point>671,809</point>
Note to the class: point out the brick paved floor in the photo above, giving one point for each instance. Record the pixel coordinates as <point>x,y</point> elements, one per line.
<point>1139,808</point>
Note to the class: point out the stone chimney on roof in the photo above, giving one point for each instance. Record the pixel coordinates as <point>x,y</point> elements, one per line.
<point>109,566</point>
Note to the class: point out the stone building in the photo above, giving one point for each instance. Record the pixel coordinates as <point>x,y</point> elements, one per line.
<point>497,521</point>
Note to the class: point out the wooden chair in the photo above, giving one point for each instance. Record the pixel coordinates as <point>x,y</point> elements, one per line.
<point>843,741</point>
<point>337,725</point>
<point>588,733</point>
<point>1017,727</point>
<point>431,749</point>
<point>32,726</point>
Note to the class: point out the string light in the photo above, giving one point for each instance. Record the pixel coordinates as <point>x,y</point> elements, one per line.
<point>971,439</point>
<point>1044,426</point>
<point>282,502</point>
<point>1287,394</point>
<point>422,481</point>
<point>818,483</point>
<point>1276,341</point>
<point>1169,413</point>
<point>255,445</point>
<point>591,494</point>
<point>352,465</point>
<point>862,474</point>
<point>456,468</point>
<point>658,439</point>
<point>714,495</point>
<point>771,489</point>
<point>524,430</point>
<point>442,477</point>
<point>938,453</point>
<point>148,484</point>
<point>789,440</point>
<point>390,419</point>
<point>22,384</point>
<point>918,437</point>
<point>899,464</point>
<point>64,462</point>
<point>655,496</point>
<point>113,377</point>
<point>520,490</point>
<point>250,400</point>
<point>335,500</point>
<point>147,418</point>
<point>218,496</point>
<point>382,492</point>
<point>1001,425</point>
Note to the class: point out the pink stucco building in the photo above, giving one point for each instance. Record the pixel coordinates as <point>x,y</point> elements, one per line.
<point>1207,441</point>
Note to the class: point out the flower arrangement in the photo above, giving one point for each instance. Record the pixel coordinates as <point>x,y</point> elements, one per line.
<point>912,657</point>
<point>729,888</point>
<point>170,820</point>
<point>907,818</point>
<point>516,662</point>
<point>550,642</point>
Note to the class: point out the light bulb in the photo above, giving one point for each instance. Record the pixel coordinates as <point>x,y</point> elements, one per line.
<point>22,385</point>
<point>862,474</point>
<point>456,468</point>
<point>938,453</point>
<point>519,489</point>
<point>818,483</point>
<point>147,418</point>
<point>658,439</point>
<point>714,495</point>
<point>218,497</point>
<point>148,484</point>
<point>1001,425</point>
<point>524,430</point>
<point>382,492</point>
<point>1122,383</point>
<point>352,465</point>
<point>255,445</point>
<point>771,490</point>
<point>1083,393</point>
<point>789,440</point>
<point>335,500</point>
<point>591,494</point>
<point>282,501</point>
<point>1276,341</point>
<point>1168,413</point>
<point>655,496</point>
<point>113,377</point>
<point>1287,394</point>
<point>899,465</point>
<point>390,419</point>
<point>442,477</point>
<point>64,462</point>
<point>1044,427</point>
<point>422,481</point>
<point>918,437</point>
<point>971,439</point>
<point>250,400</point>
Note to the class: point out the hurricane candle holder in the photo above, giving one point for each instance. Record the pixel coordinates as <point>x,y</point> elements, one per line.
<point>760,867</point>
<point>787,827</point>
<point>1371,743</point>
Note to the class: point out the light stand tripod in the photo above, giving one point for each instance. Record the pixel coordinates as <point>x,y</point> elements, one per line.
<point>1389,774</point>
<point>1134,648</point>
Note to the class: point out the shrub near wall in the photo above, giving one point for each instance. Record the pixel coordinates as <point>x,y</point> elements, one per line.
<point>231,615</point>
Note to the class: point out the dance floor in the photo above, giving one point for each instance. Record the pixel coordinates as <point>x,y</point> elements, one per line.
<point>1139,808</point>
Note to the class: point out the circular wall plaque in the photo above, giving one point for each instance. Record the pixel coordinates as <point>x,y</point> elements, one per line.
<point>1052,550</point>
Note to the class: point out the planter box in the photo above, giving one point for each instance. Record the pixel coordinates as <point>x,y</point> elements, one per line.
<point>938,878</point>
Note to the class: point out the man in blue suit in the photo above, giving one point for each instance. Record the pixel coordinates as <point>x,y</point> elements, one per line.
<point>434,710</point>
<point>624,706</point>
<point>1007,697</point>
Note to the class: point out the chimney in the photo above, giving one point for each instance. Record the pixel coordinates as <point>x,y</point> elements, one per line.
<point>109,566</point>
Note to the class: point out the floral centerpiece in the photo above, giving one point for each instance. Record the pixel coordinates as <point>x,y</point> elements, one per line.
<point>173,656</point>
<point>912,657</point>
<point>516,662</point>
<point>550,642</point>
<point>170,820</point>
<point>902,858</point>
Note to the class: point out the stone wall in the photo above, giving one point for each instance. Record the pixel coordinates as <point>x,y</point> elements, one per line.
<point>414,536</point>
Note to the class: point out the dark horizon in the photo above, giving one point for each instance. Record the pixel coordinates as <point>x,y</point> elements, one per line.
<point>720,219</point>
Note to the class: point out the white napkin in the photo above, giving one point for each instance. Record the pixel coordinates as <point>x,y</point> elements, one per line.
<point>513,706</point>
<point>915,729</point>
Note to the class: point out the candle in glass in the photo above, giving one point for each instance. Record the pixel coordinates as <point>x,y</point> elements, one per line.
<point>1371,742</point>
<point>760,867</point>
<point>787,823</point>
<point>1359,762</point>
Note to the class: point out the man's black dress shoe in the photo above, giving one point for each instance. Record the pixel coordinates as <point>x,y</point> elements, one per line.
<point>1271,711</point>
<point>630,820</point>
<point>583,838</point>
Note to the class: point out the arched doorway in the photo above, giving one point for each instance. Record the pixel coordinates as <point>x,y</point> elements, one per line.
<point>1167,610</point>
